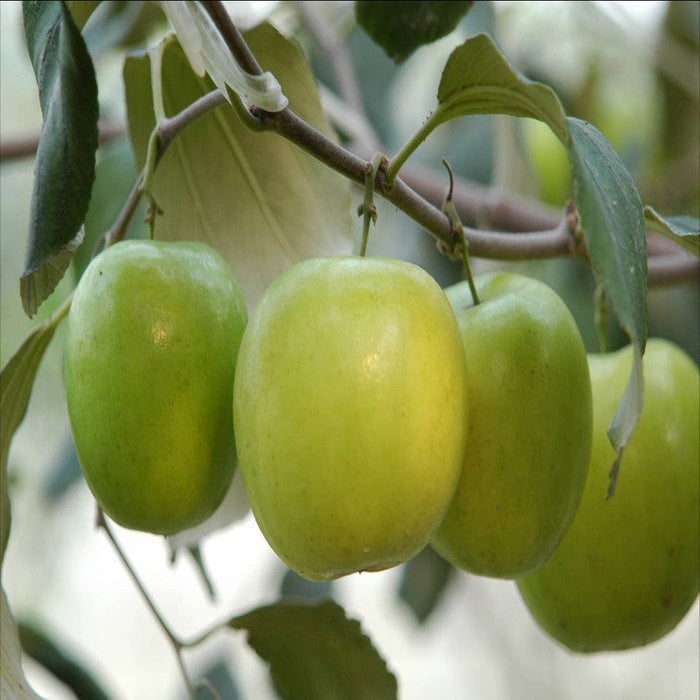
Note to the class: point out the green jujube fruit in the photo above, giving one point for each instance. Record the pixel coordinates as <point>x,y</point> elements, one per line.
<point>627,571</point>
<point>350,408</point>
<point>153,336</point>
<point>529,436</point>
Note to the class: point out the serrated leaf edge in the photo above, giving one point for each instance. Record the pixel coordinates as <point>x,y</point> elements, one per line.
<point>37,285</point>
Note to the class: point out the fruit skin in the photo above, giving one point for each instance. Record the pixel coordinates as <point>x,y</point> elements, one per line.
<point>530,428</point>
<point>350,409</point>
<point>153,335</point>
<point>627,571</point>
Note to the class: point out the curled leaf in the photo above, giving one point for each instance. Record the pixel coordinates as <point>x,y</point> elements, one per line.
<point>65,160</point>
<point>683,230</point>
<point>610,213</point>
<point>207,52</point>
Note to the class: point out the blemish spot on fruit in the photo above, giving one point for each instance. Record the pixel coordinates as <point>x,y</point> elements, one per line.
<point>366,550</point>
<point>666,601</point>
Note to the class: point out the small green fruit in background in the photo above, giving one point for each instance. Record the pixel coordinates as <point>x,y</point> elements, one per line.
<point>153,336</point>
<point>350,408</point>
<point>627,571</point>
<point>529,437</point>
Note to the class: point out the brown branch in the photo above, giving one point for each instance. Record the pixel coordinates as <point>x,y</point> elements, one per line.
<point>543,232</point>
<point>26,146</point>
<point>483,206</point>
<point>233,38</point>
<point>168,129</point>
<point>672,269</point>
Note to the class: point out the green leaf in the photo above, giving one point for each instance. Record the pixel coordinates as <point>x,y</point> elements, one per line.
<point>81,10</point>
<point>477,79</point>
<point>111,24</point>
<point>13,684</point>
<point>423,581</point>
<point>208,52</point>
<point>65,159</point>
<point>611,218</point>
<point>37,644</point>
<point>262,202</point>
<point>684,230</point>
<point>401,27</point>
<point>16,380</point>
<point>316,653</point>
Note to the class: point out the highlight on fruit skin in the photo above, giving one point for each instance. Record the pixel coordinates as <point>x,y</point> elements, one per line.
<point>627,572</point>
<point>152,341</point>
<point>350,409</point>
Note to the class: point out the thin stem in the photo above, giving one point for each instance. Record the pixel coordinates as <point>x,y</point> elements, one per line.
<point>171,127</point>
<point>546,234</point>
<point>367,208</point>
<point>118,229</point>
<point>156,62</point>
<point>204,635</point>
<point>233,38</point>
<point>449,208</point>
<point>174,641</point>
<point>166,131</point>
<point>467,267</point>
<point>408,148</point>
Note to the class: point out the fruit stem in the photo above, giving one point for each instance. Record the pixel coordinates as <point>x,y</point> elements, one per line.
<point>151,159</point>
<point>367,208</point>
<point>174,641</point>
<point>408,148</point>
<point>450,211</point>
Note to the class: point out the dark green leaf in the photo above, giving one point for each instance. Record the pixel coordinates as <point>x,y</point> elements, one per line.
<point>65,159</point>
<point>37,644</point>
<point>684,230</point>
<point>612,221</point>
<point>477,79</point>
<point>262,202</point>
<point>316,653</point>
<point>401,27</point>
<point>423,581</point>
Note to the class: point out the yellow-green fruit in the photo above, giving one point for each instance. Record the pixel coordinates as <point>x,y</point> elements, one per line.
<point>153,335</point>
<point>350,407</point>
<point>529,437</point>
<point>627,571</point>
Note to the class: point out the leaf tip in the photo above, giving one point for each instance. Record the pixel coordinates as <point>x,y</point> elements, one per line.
<point>37,284</point>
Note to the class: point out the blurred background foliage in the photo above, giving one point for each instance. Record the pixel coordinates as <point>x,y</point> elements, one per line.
<point>631,69</point>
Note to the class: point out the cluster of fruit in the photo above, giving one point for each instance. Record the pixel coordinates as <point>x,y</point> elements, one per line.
<point>374,415</point>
